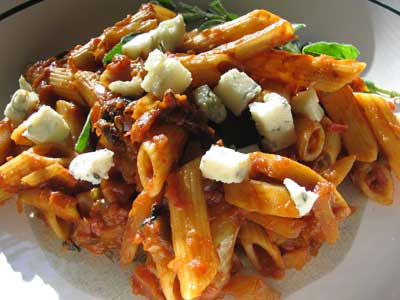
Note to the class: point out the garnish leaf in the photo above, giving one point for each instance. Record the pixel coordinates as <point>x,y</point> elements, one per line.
<point>117,49</point>
<point>294,46</point>
<point>84,138</point>
<point>373,88</point>
<point>335,50</point>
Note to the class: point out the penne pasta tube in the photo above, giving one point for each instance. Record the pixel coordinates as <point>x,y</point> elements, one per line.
<point>18,137</point>
<point>250,45</point>
<point>73,115</point>
<point>5,139</point>
<point>375,181</point>
<point>286,227</point>
<point>310,138</point>
<point>64,85</point>
<point>250,287</point>
<point>358,139</point>
<point>90,88</point>
<point>333,143</point>
<point>61,229</point>
<point>339,170</point>
<point>144,282</point>
<point>261,197</point>
<point>4,196</point>
<point>323,72</point>
<point>158,155</point>
<point>279,167</point>
<point>385,126</point>
<point>140,211</point>
<point>196,260</point>
<point>297,258</point>
<point>252,235</point>
<point>202,41</point>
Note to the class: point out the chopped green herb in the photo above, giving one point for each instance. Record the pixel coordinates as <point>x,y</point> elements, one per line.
<point>373,88</point>
<point>117,49</point>
<point>335,50</point>
<point>84,138</point>
<point>294,46</point>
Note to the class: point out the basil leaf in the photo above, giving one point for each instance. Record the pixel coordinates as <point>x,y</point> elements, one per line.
<point>335,50</point>
<point>294,46</point>
<point>211,23</point>
<point>84,138</point>
<point>117,49</point>
<point>373,88</point>
<point>165,3</point>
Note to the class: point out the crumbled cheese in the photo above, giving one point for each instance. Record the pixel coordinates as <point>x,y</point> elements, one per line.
<point>167,36</point>
<point>92,166</point>
<point>171,33</point>
<point>164,73</point>
<point>225,165</point>
<point>24,85</point>
<point>131,88</point>
<point>304,200</point>
<point>274,121</point>
<point>46,126</point>
<point>307,103</point>
<point>236,89</point>
<point>22,103</point>
<point>210,104</point>
<point>249,149</point>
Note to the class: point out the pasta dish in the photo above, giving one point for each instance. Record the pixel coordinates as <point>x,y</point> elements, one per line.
<point>190,154</point>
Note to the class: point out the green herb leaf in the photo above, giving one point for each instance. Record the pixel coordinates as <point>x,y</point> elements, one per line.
<point>373,88</point>
<point>84,138</point>
<point>335,50</point>
<point>166,3</point>
<point>293,46</point>
<point>117,49</point>
<point>211,23</point>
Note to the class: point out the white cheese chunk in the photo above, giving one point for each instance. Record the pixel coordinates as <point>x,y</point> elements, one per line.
<point>304,200</point>
<point>141,45</point>
<point>171,33</point>
<point>131,88</point>
<point>24,85</point>
<point>210,104</point>
<point>164,73</point>
<point>307,103</point>
<point>92,166</point>
<point>225,165</point>
<point>249,149</point>
<point>236,89</point>
<point>46,126</point>
<point>167,36</point>
<point>22,103</point>
<point>274,121</point>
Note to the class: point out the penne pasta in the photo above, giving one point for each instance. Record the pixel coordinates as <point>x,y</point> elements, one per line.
<point>286,227</point>
<point>375,181</point>
<point>196,261</point>
<point>339,170</point>
<point>323,72</point>
<point>310,138</point>
<point>158,155</point>
<point>252,235</point>
<point>18,137</point>
<point>145,283</point>
<point>90,88</point>
<point>297,259</point>
<point>73,115</point>
<point>261,197</point>
<point>61,229</point>
<point>358,139</point>
<point>202,41</point>
<point>5,140</point>
<point>333,143</point>
<point>385,126</point>
<point>64,85</point>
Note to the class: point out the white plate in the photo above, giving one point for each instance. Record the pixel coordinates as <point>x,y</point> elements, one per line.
<point>369,268</point>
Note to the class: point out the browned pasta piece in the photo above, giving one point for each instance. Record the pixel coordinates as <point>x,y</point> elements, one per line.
<point>341,106</point>
<point>279,167</point>
<point>73,115</point>
<point>5,139</point>
<point>250,287</point>
<point>140,211</point>
<point>310,138</point>
<point>252,235</point>
<point>385,126</point>
<point>261,197</point>
<point>64,86</point>
<point>323,72</point>
<point>157,156</point>
<point>375,181</point>
<point>225,224</point>
<point>297,258</point>
<point>339,170</point>
<point>286,227</point>
<point>202,41</point>
<point>53,173</point>
<point>196,260</point>
<point>18,137</point>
